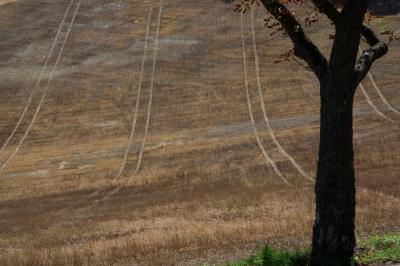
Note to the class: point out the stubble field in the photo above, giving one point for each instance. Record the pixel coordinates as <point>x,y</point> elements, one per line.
<point>161,133</point>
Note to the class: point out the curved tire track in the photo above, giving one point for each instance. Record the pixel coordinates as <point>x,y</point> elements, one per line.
<point>153,70</point>
<point>45,90</point>
<point>137,105</point>
<point>374,107</point>
<point>137,97</point>
<point>150,101</point>
<point>264,111</point>
<point>370,102</point>
<point>246,84</point>
<point>49,54</point>
<point>383,98</point>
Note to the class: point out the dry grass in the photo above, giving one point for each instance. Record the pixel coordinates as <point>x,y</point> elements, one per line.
<point>3,2</point>
<point>204,192</point>
<point>148,233</point>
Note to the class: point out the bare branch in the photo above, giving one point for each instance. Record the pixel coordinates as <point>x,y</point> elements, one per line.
<point>301,64</point>
<point>304,48</point>
<point>369,35</point>
<point>368,57</point>
<point>377,48</point>
<point>328,9</point>
<point>334,15</point>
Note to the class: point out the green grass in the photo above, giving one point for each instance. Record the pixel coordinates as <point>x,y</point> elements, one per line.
<point>271,257</point>
<point>385,248</point>
<point>375,249</point>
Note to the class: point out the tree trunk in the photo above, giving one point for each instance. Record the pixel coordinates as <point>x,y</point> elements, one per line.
<point>333,232</point>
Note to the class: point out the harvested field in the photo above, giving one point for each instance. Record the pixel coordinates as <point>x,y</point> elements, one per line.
<point>133,133</point>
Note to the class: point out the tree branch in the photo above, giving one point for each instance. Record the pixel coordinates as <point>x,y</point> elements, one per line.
<point>328,9</point>
<point>377,48</point>
<point>334,15</point>
<point>304,48</point>
<point>368,57</point>
<point>369,35</point>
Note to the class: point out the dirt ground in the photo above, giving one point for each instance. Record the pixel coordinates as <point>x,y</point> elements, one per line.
<point>128,137</point>
<point>3,2</point>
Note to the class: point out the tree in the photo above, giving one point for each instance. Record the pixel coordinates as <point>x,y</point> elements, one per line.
<point>333,238</point>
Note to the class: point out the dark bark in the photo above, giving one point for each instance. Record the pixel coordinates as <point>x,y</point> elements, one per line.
<point>333,232</point>
<point>368,57</point>
<point>304,48</point>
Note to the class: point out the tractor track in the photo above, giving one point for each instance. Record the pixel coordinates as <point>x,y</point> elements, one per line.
<point>383,98</point>
<point>149,106</point>
<point>45,91</point>
<point>371,103</point>
<point>48,57</point>
<point>264,111</point>
<point>246,85</point>
<point>137,104</point>
<point>139,91</point>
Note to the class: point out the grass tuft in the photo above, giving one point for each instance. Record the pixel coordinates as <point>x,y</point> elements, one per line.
<point>375,249</point>
<point>384,248</point>
<point>268,256</point>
